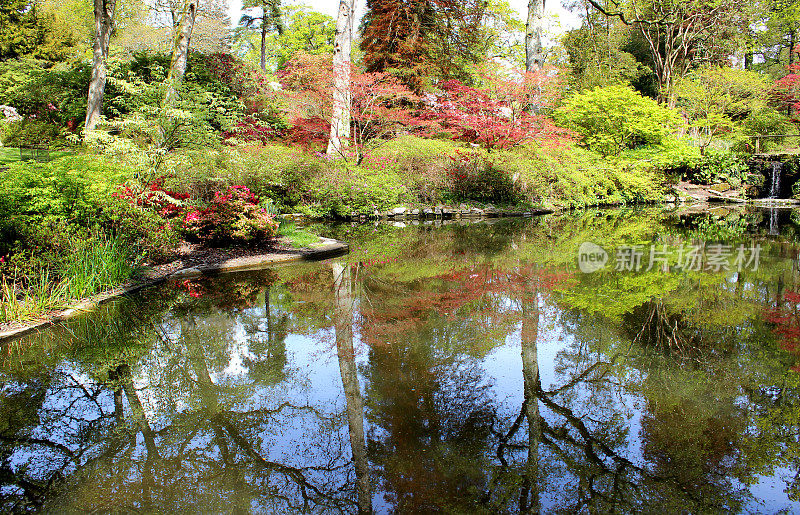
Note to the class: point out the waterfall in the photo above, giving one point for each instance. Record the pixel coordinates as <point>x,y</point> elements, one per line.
<point>774,226</point>
<point>775,186</point>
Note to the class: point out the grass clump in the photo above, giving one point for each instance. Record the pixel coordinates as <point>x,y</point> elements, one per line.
<point>297,237</point>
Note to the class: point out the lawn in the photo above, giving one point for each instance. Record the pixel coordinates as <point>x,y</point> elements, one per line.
<point>11,155</point>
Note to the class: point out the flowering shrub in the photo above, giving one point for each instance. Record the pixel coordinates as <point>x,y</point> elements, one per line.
<point>166,203</point>
<point>233,215</point>
<point>473,177</point>
<point>251,130</point>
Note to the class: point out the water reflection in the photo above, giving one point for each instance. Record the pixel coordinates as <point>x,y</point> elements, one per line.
<point>456,369</point>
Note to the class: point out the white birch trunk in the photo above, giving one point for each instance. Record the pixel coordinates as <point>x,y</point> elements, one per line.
<point>534,51</point>
<point>343,42</point>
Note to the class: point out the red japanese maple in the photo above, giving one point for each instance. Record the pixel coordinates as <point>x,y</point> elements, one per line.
<point>378,107</point>
<point>786,91</point>
<point>503,114</point>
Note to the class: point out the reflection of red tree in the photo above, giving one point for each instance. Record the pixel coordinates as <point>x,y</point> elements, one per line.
<point>786,320</point>
<point>477,296</point>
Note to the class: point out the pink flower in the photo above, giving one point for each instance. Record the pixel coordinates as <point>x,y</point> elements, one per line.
<point>192,216</point>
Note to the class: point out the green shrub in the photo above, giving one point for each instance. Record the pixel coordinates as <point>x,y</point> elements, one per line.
<point>569,176</point>
<point>718,167</point>
<point>31,133</point>
<point>613,118</point>
<point>672,155</point>
<point>74,189</point>
<point>342,189</point>
<point>422,164</point>
<point>147,234</point>
<point>474,177</point>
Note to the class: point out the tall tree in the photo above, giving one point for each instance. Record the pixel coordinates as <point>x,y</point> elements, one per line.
<point>534,51</point>
<point>342,45</point>
<point>680,33</point>
<point>418,40</point>
<point>394,37</point>
<point>180,52</point>
<point>354,404</point>
<point>270,19</point>
<point>103,26</point>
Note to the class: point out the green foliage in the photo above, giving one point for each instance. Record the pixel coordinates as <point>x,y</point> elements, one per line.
<point>421,163</point>
<point>26,29</point>
<point>73,189</point>
<point>672,155</point>
<point>717,167</point>
<point>341,190</point>
<point>472,176</point>
<point>600,61</point>
<point>30,133</point>
<point>305,32</point>
<point>55,94</point>
<point>613,118</point>
<point>569,176</point>
<point>715,98</point>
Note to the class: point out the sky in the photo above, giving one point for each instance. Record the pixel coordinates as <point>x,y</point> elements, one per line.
<point>560,18</point>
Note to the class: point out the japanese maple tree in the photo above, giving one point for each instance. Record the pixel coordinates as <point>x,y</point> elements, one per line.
<point>504,113</point>
<point>378,104</point>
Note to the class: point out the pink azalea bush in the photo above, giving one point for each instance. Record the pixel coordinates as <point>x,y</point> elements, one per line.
<point>233,215</point>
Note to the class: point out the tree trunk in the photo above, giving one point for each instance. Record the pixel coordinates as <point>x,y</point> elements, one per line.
<point>529,496</point>
<point>103,25</point>
<point>180,51</point>
<point>534,52</point>
<point>352,390</point>
<point>264,41</point>
<point>342,44</point>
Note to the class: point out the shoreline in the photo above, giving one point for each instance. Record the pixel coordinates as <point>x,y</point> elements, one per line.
<point>326,249</point>
<point>333,248</point>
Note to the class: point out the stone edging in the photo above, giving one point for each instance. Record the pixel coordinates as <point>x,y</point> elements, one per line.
<point>441,212</point>
<point>327,249</point>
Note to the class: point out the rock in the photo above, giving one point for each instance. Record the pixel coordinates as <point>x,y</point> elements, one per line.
<point>751,190</point>
<point>463,207</point>
<point>415,212</point>
<point>400,225</point>
<point>669,200</point>
<point>186,272</point>
<point>399,211</point>
<point>720,188</point>
<point>477,211</point>
<point>428,211</point>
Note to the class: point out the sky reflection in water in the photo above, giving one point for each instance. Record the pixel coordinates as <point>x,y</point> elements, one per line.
<point>458,369</point>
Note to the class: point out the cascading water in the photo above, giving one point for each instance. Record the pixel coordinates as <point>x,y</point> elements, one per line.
<point>775,180</point>
<point>774,227</point>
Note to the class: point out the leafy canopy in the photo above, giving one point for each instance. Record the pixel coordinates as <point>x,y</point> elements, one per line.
<point>613,118</point>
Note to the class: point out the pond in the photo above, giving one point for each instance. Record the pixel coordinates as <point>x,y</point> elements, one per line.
<point>610,360</point>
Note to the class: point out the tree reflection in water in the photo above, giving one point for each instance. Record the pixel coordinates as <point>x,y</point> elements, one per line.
<point>462,370</point>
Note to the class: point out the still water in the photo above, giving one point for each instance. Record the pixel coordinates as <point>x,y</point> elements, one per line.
<point>459,369</point>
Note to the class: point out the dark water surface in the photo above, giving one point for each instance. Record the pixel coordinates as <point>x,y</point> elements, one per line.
<point>457,369</point>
